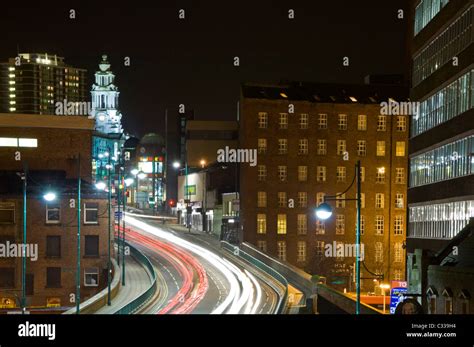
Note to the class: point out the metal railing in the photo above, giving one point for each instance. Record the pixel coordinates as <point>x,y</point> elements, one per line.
<point>283,297</point>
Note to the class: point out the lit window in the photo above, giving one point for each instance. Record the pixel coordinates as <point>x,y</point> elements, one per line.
<point>282,201</point>
<point>361,148</point>
<point>281,245</point>
<point>322,121</point>
<point>319,248</point>
<point>380,148</point>
<point>302,224</point>
<point>398,225</point>
<point>400,150</point>
<point>283,121</point>
<point>379,225</point>
<point>321,174</point>
<point>262,173</point>
<point>380,175</point>
<point>341,147</point>
<point>341,174</point>
<point>362,122</point>
<point>91,277</point>
<point>340,224</point>
<point>281,223</point>
<point>398,252</point>
<point>379,200</point>
<point>320,227</point>
<point>262,245</point>
<point>378,252</point>
<point>400,175</point>
<point>302,199</point>
<point>362,200</point>
<point>8,142</point>
<point>301,251</point>
<point>340,200</point>
<point>262,119</point>
<point>399,200</point>
<point>362,174</point>
<point>262,199</point>
<point>342,124</point>
<point>382,123</point>
<point>282,173</point>
<point>303,146</point>
<point>302,173</point>
<point>28,142</point>
<point>262,146</point>
<point>322,147</point>
<point>261,223</point>
<point>401,123</point>
<point>319,198</point>
<point>304,121</point>
<point>282,146</point>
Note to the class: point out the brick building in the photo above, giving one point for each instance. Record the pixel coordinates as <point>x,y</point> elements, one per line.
<point>48,146</point>
<point>309,138</point>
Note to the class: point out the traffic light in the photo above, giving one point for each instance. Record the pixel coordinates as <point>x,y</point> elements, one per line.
<point>171,202</point>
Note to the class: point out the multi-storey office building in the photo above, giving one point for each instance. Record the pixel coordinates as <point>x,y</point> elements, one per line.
<point>33,83</point>
<point>440,194</point>
<point>309,138</point>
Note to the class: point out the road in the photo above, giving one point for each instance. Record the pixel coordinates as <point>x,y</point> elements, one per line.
<point>196,276</point>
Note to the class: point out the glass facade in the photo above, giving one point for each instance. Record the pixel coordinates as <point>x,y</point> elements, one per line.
<point>444,105</point>
<point>444,47</point>
<point>425,12</point>
<point>439,221</point>
<point>449,161</point>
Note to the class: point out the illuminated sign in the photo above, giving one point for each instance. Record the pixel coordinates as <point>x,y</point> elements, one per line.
<point>190,190</point>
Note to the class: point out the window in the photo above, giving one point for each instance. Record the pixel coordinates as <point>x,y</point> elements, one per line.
<point>303,146</point>
<point>319,198</point>
<point>283,121</point>
<point>304,121</point>
<point>361,148</point>
<point>425,11</point>
<point>340,202</point>
<point>399,175</point>
<point>341,174</point>
<point>398,225</point>
<point>7,277</point>
<point>53,277</point>
<point>262,245</point>
<point>282,146</point>
<point>262,120</point>
<point>319,248</point>
<point>341,147</point>
<point>53,246</point>
<point>302,173</point>
<point>302,224</point>
<point>397,275</point>
<point>91,277</point>
<point>321,174</point>
<point>281,223</point>
<point>261,223</point>
<point>282,201</point>
<point>362,122</point>
<point>379,225</point>
<point>362,200</point>
<point>91,213</point>
<point>342,122</point>
<point>262,146</point>
<point>302,199</point>
<point>7,213</point>
<point>322,121</point>
<point>381,123</point>
<point>262,173</point>
<point>398,252</point>
<point>432,304</point>
<point>401,123</point>
<point>362,174</point>
<point>400,150</point>
<point>91,246</point>
<point>322,147</point>
<point>320,227</point>
<point>362,224</point>
<point>281,245</point>
<point>379,200</point>
<point>340,224</point>
<point>448,305</point>
<point>378,252</point>
<point>380,148</point>
<point>261,199</point>
<point>282,173</point>
<point>380,175</point>
<point>301,251</point>
<point>52,214</point>
<point>399,200</point>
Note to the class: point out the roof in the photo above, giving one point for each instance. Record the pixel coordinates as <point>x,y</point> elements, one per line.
<point>326,92</point>
<point>17,120</point>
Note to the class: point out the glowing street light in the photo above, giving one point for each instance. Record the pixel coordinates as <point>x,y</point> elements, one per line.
<point>129,181</point>
<point>324,211</point>
<point>100,185</point>
<point>176,164</point>
<point>134,172</point>
<point>141,175</point>
<point>49,196</point>
<point>203,163</point>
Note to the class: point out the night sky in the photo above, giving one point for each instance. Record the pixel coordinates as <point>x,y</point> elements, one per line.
<point>190,61</point>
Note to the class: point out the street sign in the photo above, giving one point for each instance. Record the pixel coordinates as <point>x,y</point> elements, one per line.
<point>396,296</point>
<point>118,214</point>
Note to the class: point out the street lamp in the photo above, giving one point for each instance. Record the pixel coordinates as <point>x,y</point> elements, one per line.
<point>324,211</point>
<point>101,185</point>
<point>49,196</point>
<point>176,164</point>
<point>141,175</point>
<point>384,287</point>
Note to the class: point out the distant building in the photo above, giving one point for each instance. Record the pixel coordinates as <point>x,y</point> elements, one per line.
<point>33,83</point>
<point>441,193</point>
<point>47,148</point>
<point>309,138</point>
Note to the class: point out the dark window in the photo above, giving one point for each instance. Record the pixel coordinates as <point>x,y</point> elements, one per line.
<point>53,246</point>
<point>91,213</point>
<point>52,213</point>
<point>91,246</point>
<point>30,284</point>
<point>53,277</point>
<point>7,215</point>
<point>7,277</point>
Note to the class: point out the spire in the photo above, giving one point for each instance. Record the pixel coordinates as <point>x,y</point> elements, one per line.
<point>104,64</point>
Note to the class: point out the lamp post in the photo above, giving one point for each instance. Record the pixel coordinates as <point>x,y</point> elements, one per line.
<point>384,287</point>
<point>23,260</point>
<point>324,211</point>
